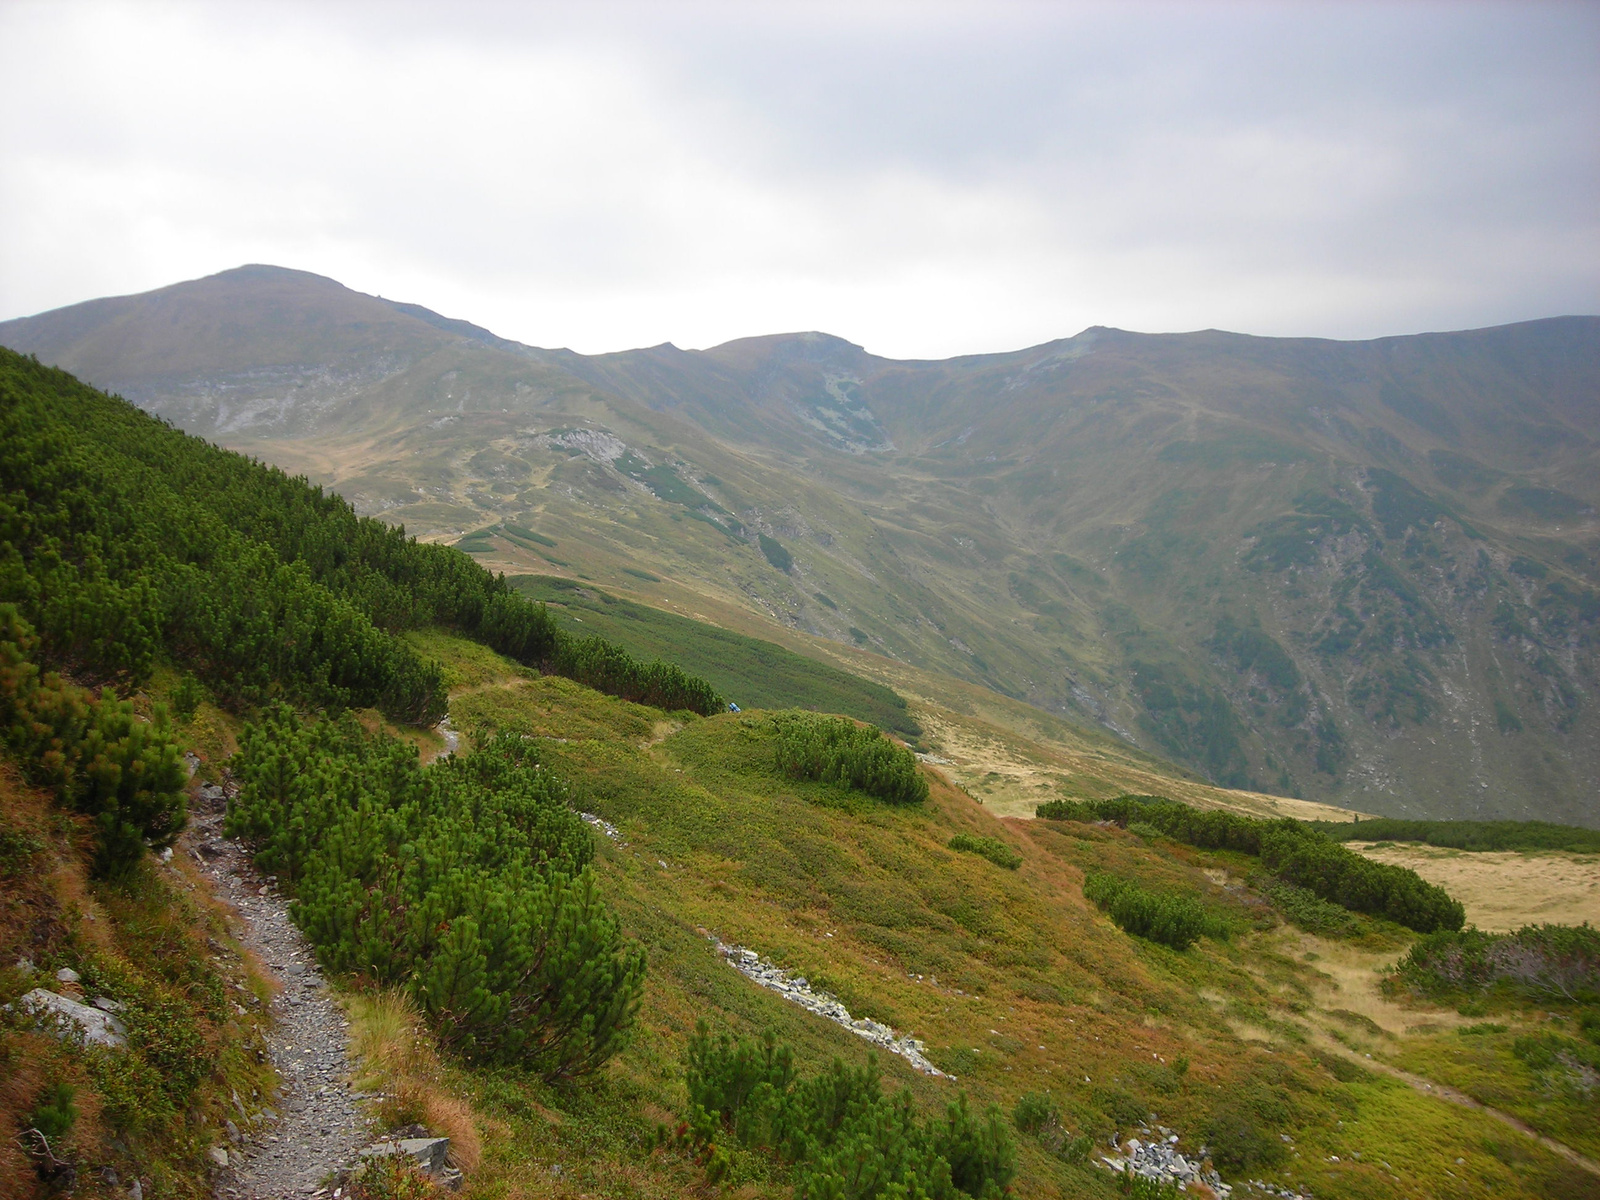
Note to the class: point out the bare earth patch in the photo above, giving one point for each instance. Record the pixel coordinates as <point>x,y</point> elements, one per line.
<point>1506,889</point>
<point>1012,775</point>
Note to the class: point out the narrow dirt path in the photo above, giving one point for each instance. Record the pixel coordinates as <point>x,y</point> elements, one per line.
<point>320,1126</point>
<point>1453,1096</point>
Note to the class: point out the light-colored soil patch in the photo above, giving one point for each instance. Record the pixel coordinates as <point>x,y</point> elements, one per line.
<point>1013,775</point>
<point>1348,990</point>
<point>1506,890</point>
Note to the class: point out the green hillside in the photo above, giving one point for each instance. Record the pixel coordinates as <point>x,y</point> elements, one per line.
<point>127,542</point>
<point>1364,573</point>
<point>750,672</point>
<point>558,924</point>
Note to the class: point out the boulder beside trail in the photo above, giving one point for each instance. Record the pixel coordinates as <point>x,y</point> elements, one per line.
<point>68,1018</point>
<point>431,1154</point>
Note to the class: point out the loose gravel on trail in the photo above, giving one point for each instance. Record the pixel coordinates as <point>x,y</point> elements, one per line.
<point>317,1127</point>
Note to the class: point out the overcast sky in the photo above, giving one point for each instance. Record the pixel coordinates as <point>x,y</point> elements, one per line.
<point>923,179</point>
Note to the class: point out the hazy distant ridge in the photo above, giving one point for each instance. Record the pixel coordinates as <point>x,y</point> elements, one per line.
<point>1360,571</point>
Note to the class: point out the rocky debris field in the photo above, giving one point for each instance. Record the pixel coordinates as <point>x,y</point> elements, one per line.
<point>795,989</point>
<point>1156,1157</point>
<point>604,826</point>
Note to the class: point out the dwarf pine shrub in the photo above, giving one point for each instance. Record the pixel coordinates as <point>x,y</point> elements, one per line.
<point>1292,850</point>
<point>1310,912</point>
<point>609,668</point>
<point>837,750</point>
<point>92,751</point>
<point>1537,962</point>
<point>846,1139</point>
<point>1173,920</point>
<point>999,853</point>
<point>467,883</point>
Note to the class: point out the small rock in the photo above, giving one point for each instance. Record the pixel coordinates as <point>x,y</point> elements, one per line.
<point>68,975</point>
<point>106,1004</point>
<point>218,1157</point>
<point>25,965</point>
<point>165,854</point>
<point>233,1133</point>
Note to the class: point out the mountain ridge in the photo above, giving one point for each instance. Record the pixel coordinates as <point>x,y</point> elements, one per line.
<point>1363,572</point>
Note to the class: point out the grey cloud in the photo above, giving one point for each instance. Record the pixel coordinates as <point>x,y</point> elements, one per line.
<point>926,179</point>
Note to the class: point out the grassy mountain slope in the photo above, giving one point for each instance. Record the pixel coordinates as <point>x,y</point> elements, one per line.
<point>754,673</point>
<point>1362,573</point>
<point>1012,981</point>
<point>1243,1043</point>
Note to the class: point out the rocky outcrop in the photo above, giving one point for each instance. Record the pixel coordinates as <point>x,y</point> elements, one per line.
<point>431,1155</point>
<point>795,989</point>
<point>1158,1159</point>
<point>89,1024</point>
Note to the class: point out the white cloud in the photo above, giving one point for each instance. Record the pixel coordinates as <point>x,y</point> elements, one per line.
<point>923,181</point>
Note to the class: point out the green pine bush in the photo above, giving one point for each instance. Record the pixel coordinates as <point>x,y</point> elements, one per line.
<point>1295,852</point>
<point>99,759</point>
<point>837,750</point>
<point>467,882</point>
<point>55,1113</point>
<point>1001,854</point>
<point>846,1139</point>
<point>1173,920</point>
<point>1540,963</point>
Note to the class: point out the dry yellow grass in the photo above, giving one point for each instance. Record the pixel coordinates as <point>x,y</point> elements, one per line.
<point>398,1059</point>
<point>1508,889</point>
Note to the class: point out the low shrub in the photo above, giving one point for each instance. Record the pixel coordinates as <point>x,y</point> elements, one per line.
<point>609,668</point>
<point>466,882</point>
<point>1537,962</point>
<point>1310,912</point>
<point>1036,1114</point>
<point>186,696</point>
<point>1034,1111</point>
<point>1589,1025</point>
<point>98,758</point>
<point>837,750</point>
<point>1541,1051</point>
<point>1239,1143</point>
<point>392,1178</point>
<point>996,851</point>
<point>1173,920</point>
<point>55,1113</point>
<point>1122,1107</point>
<point>1292,850</point>
<point>846,1139</point>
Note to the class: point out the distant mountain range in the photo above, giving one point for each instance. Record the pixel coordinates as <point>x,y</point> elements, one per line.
<point>1360,572</point>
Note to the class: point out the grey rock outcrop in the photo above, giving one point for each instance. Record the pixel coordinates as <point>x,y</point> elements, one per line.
<point>431,1154</point>
<point>795,989</point>
<point>1159,1159</point>
<point>67,1018</point>
<point>603,825</point>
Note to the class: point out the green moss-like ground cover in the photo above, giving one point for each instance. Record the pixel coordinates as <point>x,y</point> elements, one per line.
<point>1012,981</point>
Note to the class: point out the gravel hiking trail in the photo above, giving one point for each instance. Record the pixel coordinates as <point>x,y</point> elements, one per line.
<point>316,1125</point>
